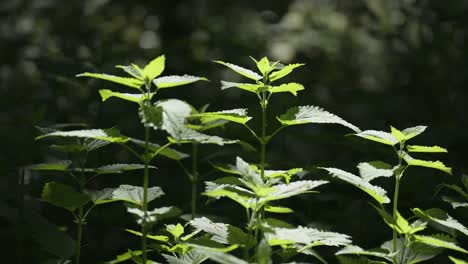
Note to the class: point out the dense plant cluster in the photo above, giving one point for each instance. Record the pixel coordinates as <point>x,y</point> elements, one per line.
<point>257,186</point>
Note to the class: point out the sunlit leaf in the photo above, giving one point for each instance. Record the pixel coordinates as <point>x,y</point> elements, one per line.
<point>166,152</point>
<point>131,82</point>
<point>378,136</point>
<point>193,256</point>
<point>287,87</point>
<point>413,131</point>
<point>399,223</point>
<point>242,71</point>
<point>457,261</point>
<point>417,252</point>
<point>175,230</point>
<point>355,250</point>
<point>278,209</point>
<point>101,196</point>
<point>136,98</point>
<point>64,196</point>
<point>306,236</point>
<point>134,70</point>
<point>442,218</point>
<point>111,135</point>
<point>374,169</point>
<point>126,256</point>
<point>379,194</point>
<point>425,163</point>
<point>175,80</point>
<point>134,194</point>
<point>51,166</point>
<point>220,232</point>
<point>120,168</point>
<point>263,252</point>
<point>284,71</point>
<point>431,149</point>
<point>234,115</point>
<point>282,191</point>
<point>254,88</point>
<point>312,114</point>
<point>441,241</point>
<point>155,67</point>
<point>159,238</point>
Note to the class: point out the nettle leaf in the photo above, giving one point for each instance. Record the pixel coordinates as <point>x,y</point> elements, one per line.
<point>457,261</point>
<point>282,191</point>
<point>378,136</point>
<point>399,224</point>
<point>355,250</point>
<point>374,169</point>
<point>155,67</point>
<point>64,196</point>
<point>134,194</point>
<point>306,236</point>
<point>360,260</point>
<point>263,252</point>
<point>193,256</point>
<point>413,131</point>
<point>379,194</point>
<point>222,233</point>
<point>101,196</point>
<point>159,238</point>
<point>242,71</point>
<point>130,82</point>
<point>287,87</point>
<point>312,114</point>
<point>427,149</point>
<point>425,163</point>
<point>126,256</point>
<point>417,252</point>
<point>154,215</point>
<point>285,174</point>
<point>284,71</point>
<point>175,80</point>
<point>278,209</point>
<point>61,165</point>
<point>238,194</point>
<point>133,69</point>
<point>442,218</point>
<point>166,152</point>
<point>254,88</point>
<point>263,65</point>
<point>441,241</point>
<point>136,98</point>
<point>221,257</point>
<point>175,230</point>
<point>234,115</point>
<point>251,177</point>
<point>120,168</point>
<point>111,135</point>
<point>454,203</point>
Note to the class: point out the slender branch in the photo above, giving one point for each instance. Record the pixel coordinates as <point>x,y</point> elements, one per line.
<point>274,133</point>
<point>160,149</point>
<point>251,131</point>
<point>131,150</point>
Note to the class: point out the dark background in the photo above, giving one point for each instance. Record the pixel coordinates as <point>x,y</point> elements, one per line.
<point>375,63</point>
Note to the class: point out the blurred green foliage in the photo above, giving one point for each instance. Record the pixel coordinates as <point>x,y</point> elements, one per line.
<point>374,62</point>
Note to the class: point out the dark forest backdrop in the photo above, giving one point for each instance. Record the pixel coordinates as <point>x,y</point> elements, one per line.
<point>375,63</point>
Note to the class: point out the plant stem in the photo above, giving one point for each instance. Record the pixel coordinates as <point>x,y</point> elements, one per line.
<point>79,234</point>
<point>194,178</point>
<point>263,136</point>
<point>144,229</point>
<point>395,200</point>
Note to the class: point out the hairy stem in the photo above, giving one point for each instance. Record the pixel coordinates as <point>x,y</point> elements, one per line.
<point>395,199</point>
<point>263,137</point>
<point>194,178</point>
<point>79,234</point>
<point>144,226</point>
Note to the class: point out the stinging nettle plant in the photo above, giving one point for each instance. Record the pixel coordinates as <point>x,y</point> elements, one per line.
<point>410,242</point>
<point>257,189</point>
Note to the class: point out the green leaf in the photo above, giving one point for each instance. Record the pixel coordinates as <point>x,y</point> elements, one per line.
<point>282,191</point>
<point>166,152</point>
<point>284,71</point>
<point>159,238</point>
<point>312,114</point>
<point>193,256</point>
<point>306,236</point>
<point>175,80</point>
<point>155,67</point>
<point>286,174</point>
<point>134,70</point>
<point>263,65</point>
<point>110,135</point>
<point>120,168</point>
<point>251,177</point>
<point>130,82</point>
<point>221,257</point>
<point>455,203</point>
<point>51,166</point>
<point>154,215</point>
<point>355,250</point>
<point>399,224</point>
<point>134,194</point>
<point>242,71</point>
<point>101,196</point>
<point>417,252</point>
<point>439,241</point>
<point>431,149</point>
<point>175,230</point>
<point>374,169</point>
<point>126,256</point>
<point>136,98</point>
<point>425,163</point>
<point>360,260</point>
<point>64,196</point>
<point>234,115</point>
<point>278,209</point>
<point>254,88</point>
<point>263,252</point>
<point>222,233</point>
<point>440,217</point>
<point>379,194</point>
<point>413,131</point>
<point>378,136</point>
<point>235,193</point>
<point>398,134</point>
<point>457,261</point>
<point>287,87</point>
